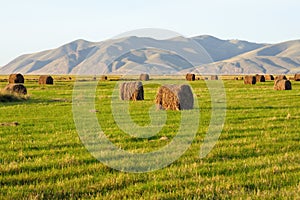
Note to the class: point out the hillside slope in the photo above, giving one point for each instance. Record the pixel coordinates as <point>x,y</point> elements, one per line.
<point>282,58</point>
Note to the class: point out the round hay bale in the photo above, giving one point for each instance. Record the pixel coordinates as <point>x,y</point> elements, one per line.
<point>144,77</point>
<point>174,97</point>
<point>132,91</point>
<point>281,77</point>
<point>103,78</point>
<point>260,78</point>
<point>45,80</point>
<point>269,77</point>
<point>250,80</point>
<point>236,78</point>
<point>214,77</point>
<point>297,77</point>
<point>61,78</point>
<point>282,85</point>
<point>190,77</point>
<point>16,78</point>
<point>15,88</point>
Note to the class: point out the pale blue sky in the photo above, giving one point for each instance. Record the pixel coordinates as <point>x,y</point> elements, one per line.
<point>35,25</point>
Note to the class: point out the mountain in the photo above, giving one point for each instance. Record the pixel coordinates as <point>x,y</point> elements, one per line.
<point>56,61</point>
<point>108,57</point>
<point>282,58</point>
<point>139,54</point>
<point>223,49</point>
<point>134,55</point>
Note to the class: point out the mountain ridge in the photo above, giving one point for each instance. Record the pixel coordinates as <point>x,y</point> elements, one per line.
<point>143,54</point>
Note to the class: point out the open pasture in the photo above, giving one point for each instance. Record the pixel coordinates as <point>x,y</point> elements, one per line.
<point>257,155</point>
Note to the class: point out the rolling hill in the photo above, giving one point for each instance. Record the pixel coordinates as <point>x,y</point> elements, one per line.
<point>282,58</point>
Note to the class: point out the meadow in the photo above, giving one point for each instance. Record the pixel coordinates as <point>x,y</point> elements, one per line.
<point>257,155</point>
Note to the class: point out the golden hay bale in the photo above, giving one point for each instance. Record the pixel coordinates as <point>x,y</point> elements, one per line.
<point>174,97</point>
<point>297,77</point>
<point>190,77</point>
<point>269,77</point>
<point>103,78</point>
<point>236,78</point>
<point>282,85</point>
<point>281,77</point>
<point>16,78</point>
<point>9,124</point>
<point>45,79</point>
<point>144,77</point>
<point>61,78</point>
<point>214,77</point>
<point>250,80</point>
<point>260,78</point>
<point>15,88</point>
<point>132,91</point>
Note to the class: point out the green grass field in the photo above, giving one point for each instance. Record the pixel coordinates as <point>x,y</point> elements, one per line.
<point>257,155</point>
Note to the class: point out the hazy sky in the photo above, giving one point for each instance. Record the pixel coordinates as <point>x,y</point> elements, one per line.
<point>35,25</point>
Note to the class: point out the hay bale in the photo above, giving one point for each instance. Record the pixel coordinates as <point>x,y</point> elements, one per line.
<point>282,85</point>
<point>103,78</point>
<point>144,77</point>
<point>61,78</point>
<point>250,80</point>
<point>260,78</point>
<point>281,77</point>
<point>297,77</point>
<point>269,77</point>
<point>214,77</point>
<point>132,91</point>
<point>16,78</point>
<point>174,97</point>
<point>15,88</point>
<point>190,77</point>
<point>45,80</point>
<point>236,78</point>
<point>9,124</point>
